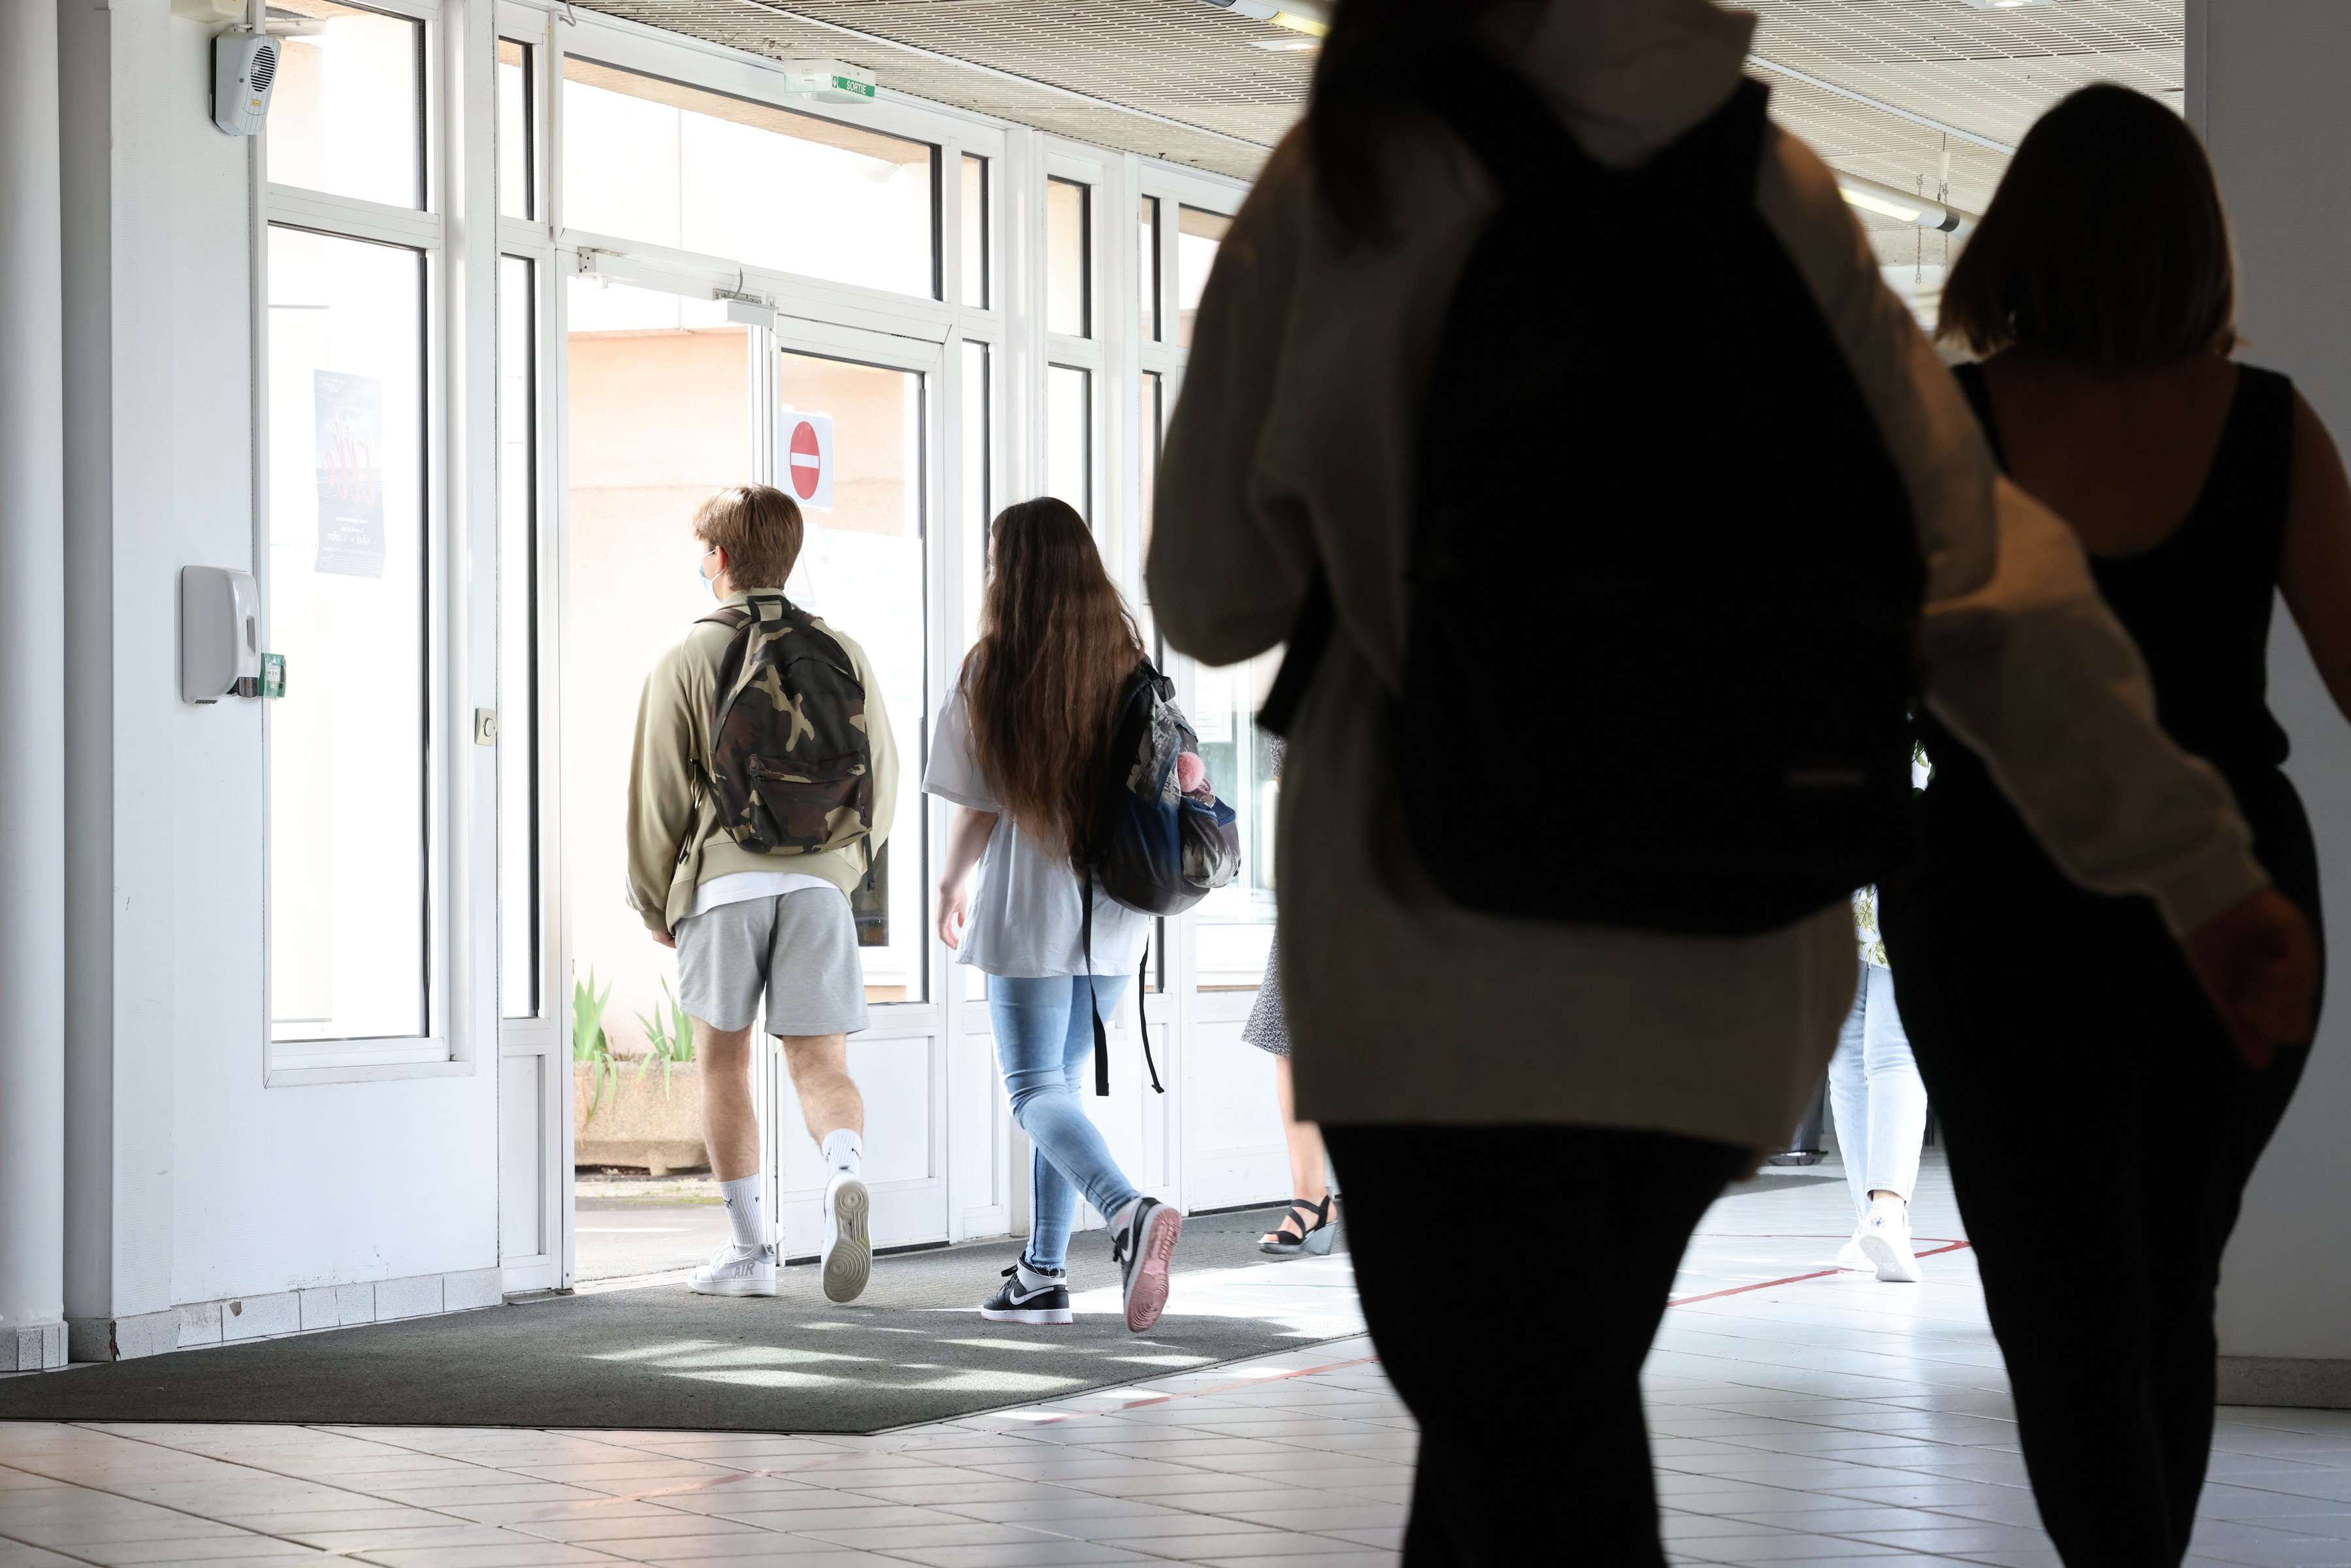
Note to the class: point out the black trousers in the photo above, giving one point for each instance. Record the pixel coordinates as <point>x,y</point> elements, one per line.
<point>2101,1130</point>
<point>1544,1460</point>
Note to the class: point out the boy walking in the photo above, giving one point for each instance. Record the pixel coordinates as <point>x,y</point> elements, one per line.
<point>760,789</point>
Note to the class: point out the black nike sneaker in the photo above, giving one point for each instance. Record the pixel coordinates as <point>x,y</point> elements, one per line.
<point>1045,1301</point>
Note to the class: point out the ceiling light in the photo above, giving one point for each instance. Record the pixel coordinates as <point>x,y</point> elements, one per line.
<point>1309,17</point>
<point>1286,46</point>
<point>2007,4</point>
<point>1893,202</point>
<point>1883,207</point>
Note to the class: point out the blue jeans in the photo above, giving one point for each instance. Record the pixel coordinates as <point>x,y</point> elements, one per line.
<point>1874,1089</point>
<point>1043,1039</point>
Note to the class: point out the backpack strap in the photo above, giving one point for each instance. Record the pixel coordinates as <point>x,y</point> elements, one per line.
<point>1102,1035</point>
<point>1094,1003</point>
<point>1143,1023</point>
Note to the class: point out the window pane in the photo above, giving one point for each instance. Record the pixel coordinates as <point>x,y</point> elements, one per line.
<point>662,411</point>
<point>650,160</point>
<point>345,117</point>
<point>1069,256</point>
<point>347,608</point>
<point>978,507</point>
<point>518,749</point>
<point>1197,235</point>
<point>1148,266</point>
<point>861,567</point>
<point>974,230</point>
<point>517,133</point>
<point>1069,436</point>
<point>1154,430</point>
<point>1236,922</point>
<point>978,511</point>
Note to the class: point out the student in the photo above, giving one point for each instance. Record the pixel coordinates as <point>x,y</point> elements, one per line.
<point>2060,1031</point>
<point>1023,736</point>
<point>1615,1073</point>
<point>1881,1112</point>
<point>747,923</point>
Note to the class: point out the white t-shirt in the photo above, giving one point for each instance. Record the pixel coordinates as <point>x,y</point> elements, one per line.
<point>737,887</point>
<point>1025,913</point>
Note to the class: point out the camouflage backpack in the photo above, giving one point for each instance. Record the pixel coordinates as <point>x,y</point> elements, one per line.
<point>790,764</point>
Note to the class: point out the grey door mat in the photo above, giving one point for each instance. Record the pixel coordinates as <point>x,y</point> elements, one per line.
<point>912,1349</point>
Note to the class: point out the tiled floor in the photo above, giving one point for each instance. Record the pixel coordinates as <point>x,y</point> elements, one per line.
<point>1800,1417</point>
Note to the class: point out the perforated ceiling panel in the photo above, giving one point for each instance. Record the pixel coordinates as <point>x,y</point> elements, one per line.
<point>1183,81</point>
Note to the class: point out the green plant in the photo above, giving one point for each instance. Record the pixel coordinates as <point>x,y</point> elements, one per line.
<point>590,1043</point>
<point>671,1034</point>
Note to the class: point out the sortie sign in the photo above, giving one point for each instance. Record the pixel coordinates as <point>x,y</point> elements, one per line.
<point>807,457</point>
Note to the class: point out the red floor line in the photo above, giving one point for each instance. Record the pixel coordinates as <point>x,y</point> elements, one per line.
<point>1799,1278</point>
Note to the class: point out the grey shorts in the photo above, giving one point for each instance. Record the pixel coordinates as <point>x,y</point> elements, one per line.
<point>800,948</point>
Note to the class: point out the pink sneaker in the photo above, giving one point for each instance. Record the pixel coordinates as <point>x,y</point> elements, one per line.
<point>1145,1244</point>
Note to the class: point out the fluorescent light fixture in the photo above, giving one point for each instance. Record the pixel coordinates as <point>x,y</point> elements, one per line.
<point>1893,202</point>
<point>2007,4</point>
<point>1310,17</point>
<point>1286,46</point>
<point>1880,206</point>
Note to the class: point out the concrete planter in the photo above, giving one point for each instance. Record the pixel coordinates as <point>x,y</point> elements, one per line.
<point>639,1121</point>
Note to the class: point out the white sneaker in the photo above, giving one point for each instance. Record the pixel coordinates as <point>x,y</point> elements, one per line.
<point>1851,1256</point>
<point>1885,1240</point>
<point>847,1254</point>
<point>736,1271</point>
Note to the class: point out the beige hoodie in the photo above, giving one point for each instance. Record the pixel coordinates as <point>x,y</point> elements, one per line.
<point>674,844</point>
<point>1291,446</point>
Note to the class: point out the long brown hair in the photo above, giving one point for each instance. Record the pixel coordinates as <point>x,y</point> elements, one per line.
<point>1056,645</point>
<point>2106,242</point>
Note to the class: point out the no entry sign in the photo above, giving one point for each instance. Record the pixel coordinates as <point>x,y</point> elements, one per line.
<point>807,457</point>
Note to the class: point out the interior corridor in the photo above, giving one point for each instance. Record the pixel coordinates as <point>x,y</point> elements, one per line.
<point>1798,1415</point>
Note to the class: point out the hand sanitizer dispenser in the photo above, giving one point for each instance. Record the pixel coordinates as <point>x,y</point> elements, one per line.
<point>220,635</point>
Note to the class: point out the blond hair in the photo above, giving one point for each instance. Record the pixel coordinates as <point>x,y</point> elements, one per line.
<point>759,528</point>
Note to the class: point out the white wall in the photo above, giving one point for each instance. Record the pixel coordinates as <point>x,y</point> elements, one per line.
<point>2266,84</point>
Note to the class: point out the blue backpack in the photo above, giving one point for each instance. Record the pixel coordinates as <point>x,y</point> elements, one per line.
<point>1151,847</point>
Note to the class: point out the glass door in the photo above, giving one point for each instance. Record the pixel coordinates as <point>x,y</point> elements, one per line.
<point>853,434</point>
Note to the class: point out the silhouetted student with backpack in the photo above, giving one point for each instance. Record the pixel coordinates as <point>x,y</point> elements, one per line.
<point>1615,513</point>
<point>1021,749</point>
<point>761,787</point>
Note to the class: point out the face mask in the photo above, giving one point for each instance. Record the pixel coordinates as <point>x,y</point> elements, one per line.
<point>708,586</point>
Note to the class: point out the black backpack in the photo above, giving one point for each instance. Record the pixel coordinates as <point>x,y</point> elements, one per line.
<point>790,764</point>
<point>1665,575</point>
<point>1150,846</point>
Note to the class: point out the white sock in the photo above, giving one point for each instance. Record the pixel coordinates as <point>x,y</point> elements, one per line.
<point>844,1152</point>
<point>742,1216</point>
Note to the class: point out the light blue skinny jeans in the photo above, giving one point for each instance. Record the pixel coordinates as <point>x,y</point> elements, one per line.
<point>1879,1097</point>
<point>1043,1041</point>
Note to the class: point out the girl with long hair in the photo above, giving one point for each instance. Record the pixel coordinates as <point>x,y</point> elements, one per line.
<point>1021,743</point>
<point>2053,1025</point>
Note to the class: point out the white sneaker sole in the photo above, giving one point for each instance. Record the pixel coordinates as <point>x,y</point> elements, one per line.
<point>731,1287</point>
<point>1146,1294</point>
<point>1029,1314</point>
<point>849,1262</point>
<point>1895,1266</point>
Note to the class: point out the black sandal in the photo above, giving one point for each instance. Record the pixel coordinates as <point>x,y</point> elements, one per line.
<point>1313,1240</point>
